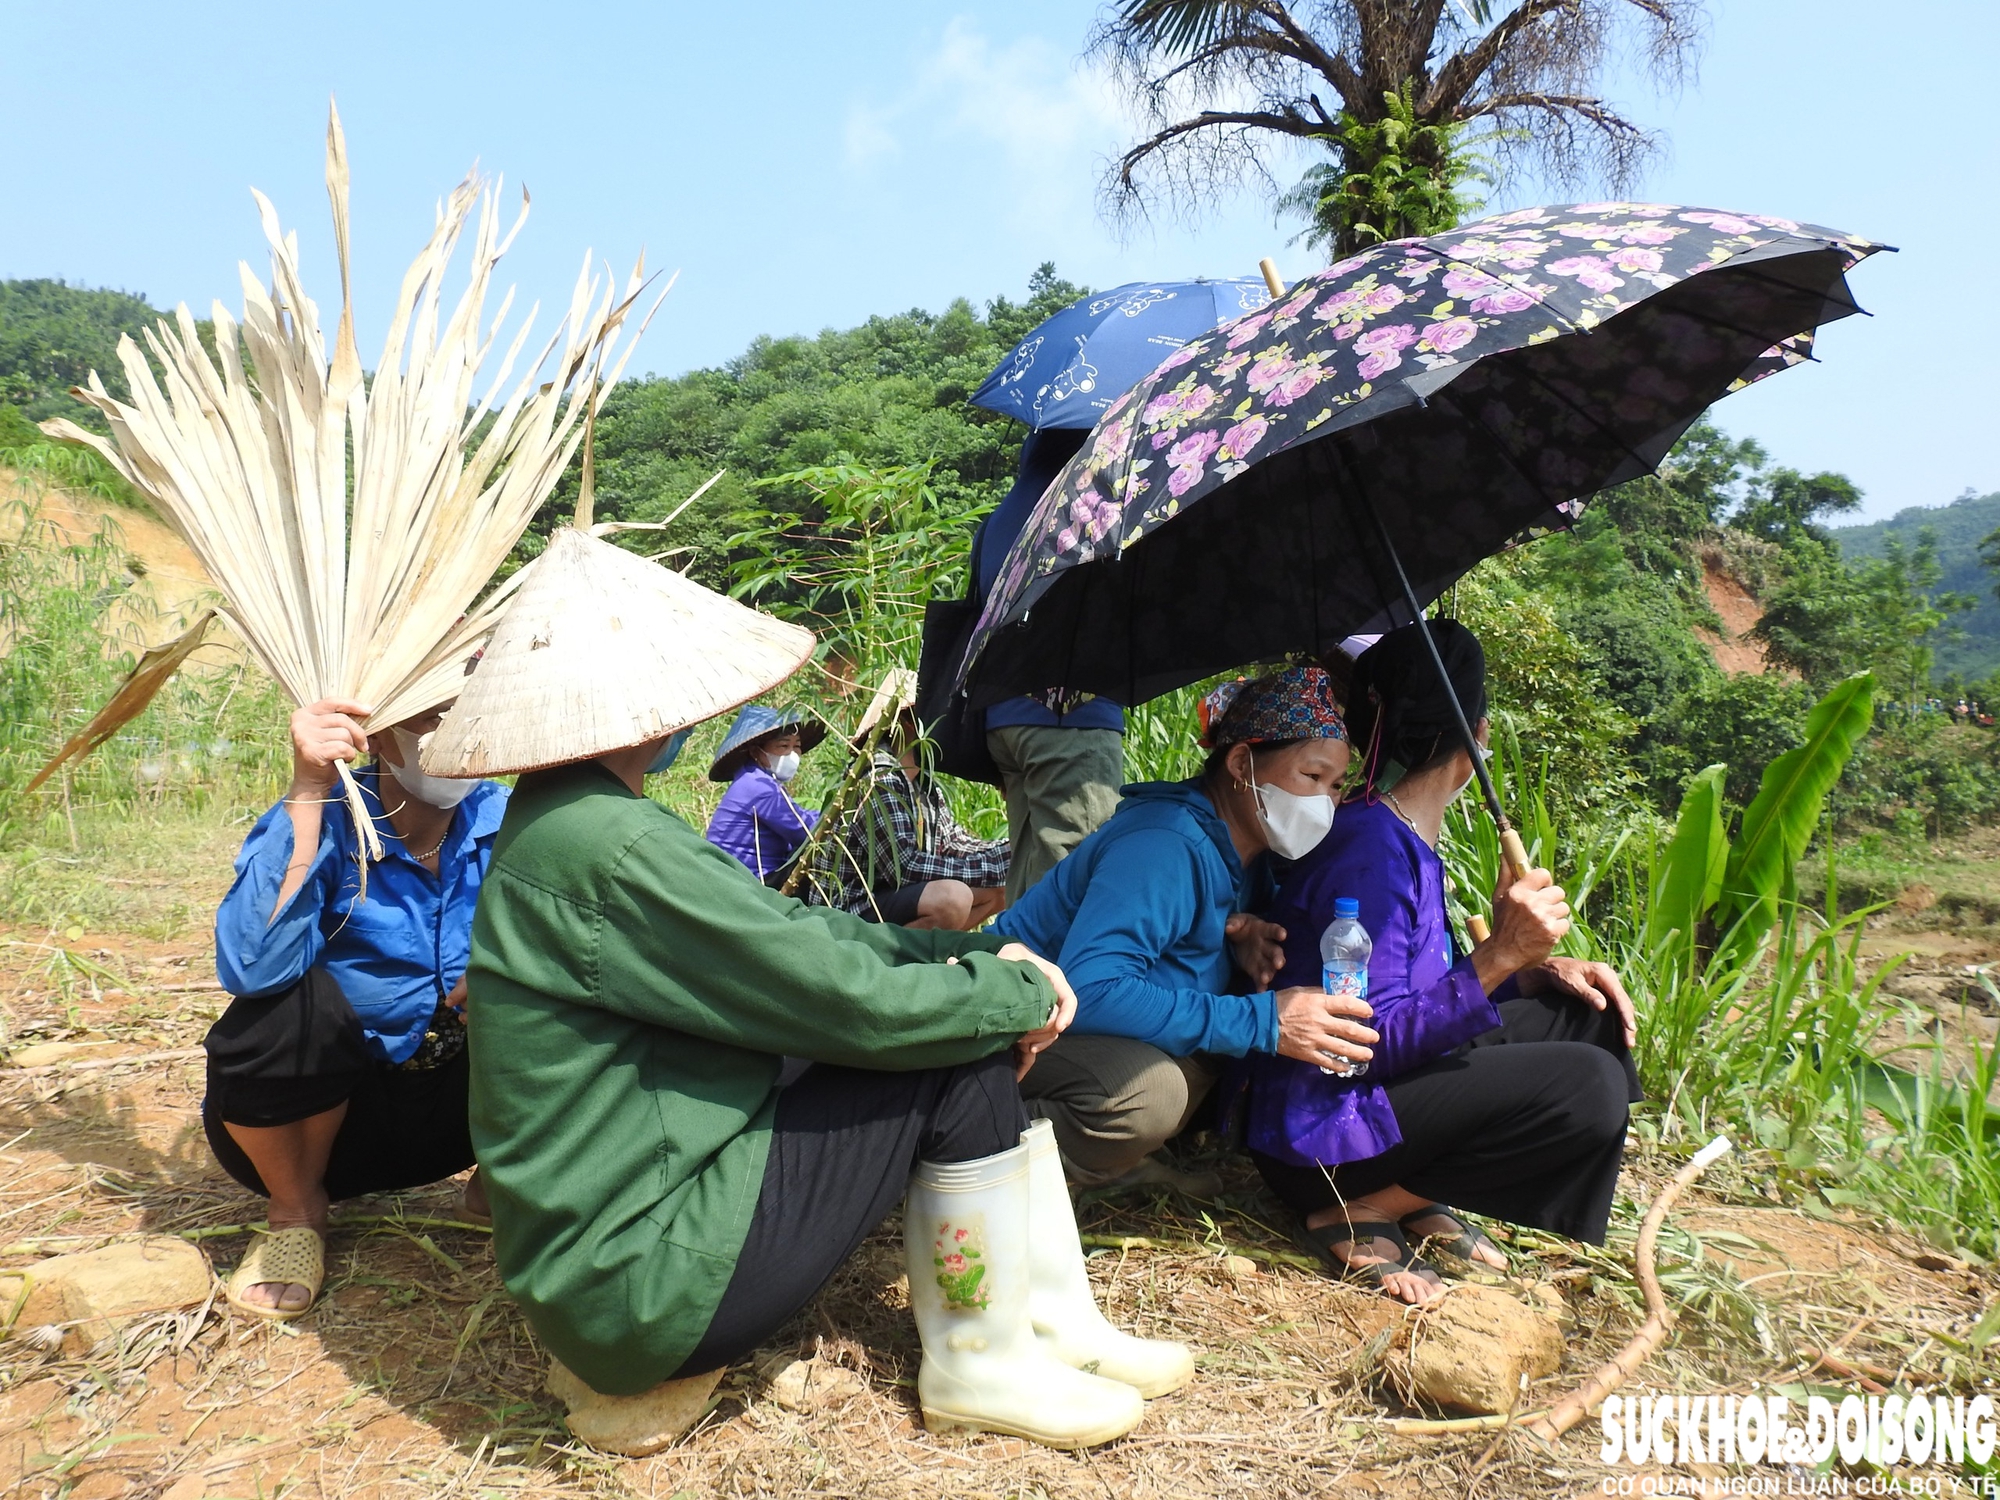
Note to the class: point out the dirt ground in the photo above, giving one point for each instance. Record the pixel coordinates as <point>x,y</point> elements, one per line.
<point>171,582</point>
<point>416,1375</point>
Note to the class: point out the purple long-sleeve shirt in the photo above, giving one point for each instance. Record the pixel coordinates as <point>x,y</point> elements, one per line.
<point>758,822</point>
<point>1426,1000</point>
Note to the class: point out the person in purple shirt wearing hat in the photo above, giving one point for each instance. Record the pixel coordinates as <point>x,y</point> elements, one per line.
<point>757,820</point>
<point>1501,1078</point>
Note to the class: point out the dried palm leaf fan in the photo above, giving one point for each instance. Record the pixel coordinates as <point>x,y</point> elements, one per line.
<point>251,470</point>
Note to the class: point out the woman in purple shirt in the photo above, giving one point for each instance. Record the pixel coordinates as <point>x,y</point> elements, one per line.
<point>1501,1079</point>
<point>757,820</point>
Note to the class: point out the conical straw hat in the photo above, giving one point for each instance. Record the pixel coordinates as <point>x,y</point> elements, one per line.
<point>602,650</point>
<point>898,686</point>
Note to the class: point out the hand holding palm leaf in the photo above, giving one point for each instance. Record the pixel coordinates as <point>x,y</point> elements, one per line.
<point>246,456</point>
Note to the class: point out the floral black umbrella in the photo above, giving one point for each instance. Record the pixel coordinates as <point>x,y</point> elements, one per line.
<point>1332,462</point>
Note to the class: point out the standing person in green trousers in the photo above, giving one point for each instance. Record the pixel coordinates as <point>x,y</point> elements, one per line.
<point>667,1191</point>
<point>1061,756</point>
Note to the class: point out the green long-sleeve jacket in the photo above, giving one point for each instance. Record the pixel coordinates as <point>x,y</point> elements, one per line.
<point>632,991</point>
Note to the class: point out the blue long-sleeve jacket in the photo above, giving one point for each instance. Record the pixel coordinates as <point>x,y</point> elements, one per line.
<point>395,954</point>
<point>1135,916</point>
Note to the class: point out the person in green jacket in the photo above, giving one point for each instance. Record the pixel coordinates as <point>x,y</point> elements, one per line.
<point>665,1193</point>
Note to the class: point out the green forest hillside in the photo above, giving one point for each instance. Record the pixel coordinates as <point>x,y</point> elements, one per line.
<point>52,335</point>
<point>1970,647</point>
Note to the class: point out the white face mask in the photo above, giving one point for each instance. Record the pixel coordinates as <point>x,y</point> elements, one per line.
<point>1485,756</point>
<point>1293,825</point>
<point>786,766</point>
<point>442,792</point>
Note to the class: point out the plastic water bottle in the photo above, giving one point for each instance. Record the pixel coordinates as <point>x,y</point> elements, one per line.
<point>1343,957</point>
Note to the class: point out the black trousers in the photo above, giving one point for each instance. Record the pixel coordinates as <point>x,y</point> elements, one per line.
<point>842,1147</point>
<point>1525,1123</point>
<point>277,1059</point>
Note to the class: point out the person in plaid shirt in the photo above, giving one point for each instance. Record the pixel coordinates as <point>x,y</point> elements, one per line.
<point>901,857</point>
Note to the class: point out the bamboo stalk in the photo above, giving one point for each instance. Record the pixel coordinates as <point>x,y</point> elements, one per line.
<point>1574,1407</point>
<point>1445,1427</point>
<point>177,1054</point>
<point>1148,1242</point>
<point>38,1243</point>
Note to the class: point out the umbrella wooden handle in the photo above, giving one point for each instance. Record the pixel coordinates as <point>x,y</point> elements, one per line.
<point>1515,851</point>
<point>1477,930</point>
<point>1271,277</point>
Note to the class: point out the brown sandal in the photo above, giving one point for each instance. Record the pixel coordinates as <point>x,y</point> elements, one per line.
<point>280,1257</point>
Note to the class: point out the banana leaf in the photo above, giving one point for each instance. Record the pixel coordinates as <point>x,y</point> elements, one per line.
<point>1690,876</point>
<point>1779,822</point>
<point>1911,1100</point>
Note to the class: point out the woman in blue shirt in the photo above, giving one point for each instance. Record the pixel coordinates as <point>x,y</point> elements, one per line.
<point>757,820</point>
<point>339,1069</point>
<point>1142,917</point>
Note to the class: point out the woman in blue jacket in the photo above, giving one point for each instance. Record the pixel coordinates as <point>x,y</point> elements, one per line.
<point>1142,916</point>
<point>339,1068</point>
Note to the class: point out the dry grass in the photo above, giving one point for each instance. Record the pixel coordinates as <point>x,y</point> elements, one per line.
<point>417,1376</point>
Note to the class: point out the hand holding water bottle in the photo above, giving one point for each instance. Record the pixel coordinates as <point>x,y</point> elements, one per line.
<point>1313,1026</point>
<point>1344,950</point>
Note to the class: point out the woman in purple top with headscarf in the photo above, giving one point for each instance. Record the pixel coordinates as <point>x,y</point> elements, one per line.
<point>1501,1079</point>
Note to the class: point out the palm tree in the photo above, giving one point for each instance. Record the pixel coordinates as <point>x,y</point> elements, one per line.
<point>1396,92</point>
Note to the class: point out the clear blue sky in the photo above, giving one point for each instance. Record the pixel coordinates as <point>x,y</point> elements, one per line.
<point>805,165</point>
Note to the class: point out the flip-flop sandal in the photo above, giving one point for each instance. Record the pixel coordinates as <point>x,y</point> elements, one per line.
<point>1322,1240</point>
<point>1456,1250</point>
<point>295,1257</point>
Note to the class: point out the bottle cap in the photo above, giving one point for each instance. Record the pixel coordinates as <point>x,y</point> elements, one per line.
<point>1347,907</point>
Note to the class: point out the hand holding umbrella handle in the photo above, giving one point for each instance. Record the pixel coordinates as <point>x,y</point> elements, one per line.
<point>1516,855</point>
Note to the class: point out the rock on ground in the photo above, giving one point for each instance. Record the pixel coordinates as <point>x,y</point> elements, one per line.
<point>93,1294</point>
<point>635,1426</point>
<point>803,1384</point>
<point>1470,1349</point>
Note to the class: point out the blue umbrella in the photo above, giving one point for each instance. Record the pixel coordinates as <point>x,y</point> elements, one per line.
<point>1078,362</point>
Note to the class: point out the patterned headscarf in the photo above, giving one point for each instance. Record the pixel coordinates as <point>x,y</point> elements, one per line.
<point>1295,704</point>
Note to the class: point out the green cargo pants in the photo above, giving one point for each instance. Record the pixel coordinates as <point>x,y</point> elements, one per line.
<point>1060,784</point>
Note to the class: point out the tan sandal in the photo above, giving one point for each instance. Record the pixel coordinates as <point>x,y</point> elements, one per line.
<point>286,1257</point>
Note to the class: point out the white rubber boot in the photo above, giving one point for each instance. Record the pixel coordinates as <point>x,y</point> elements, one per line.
<point>1062,1307</point>
<point>965,1235</point>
